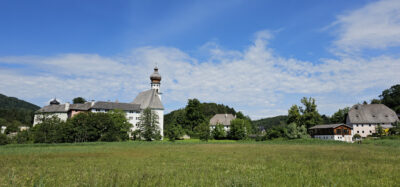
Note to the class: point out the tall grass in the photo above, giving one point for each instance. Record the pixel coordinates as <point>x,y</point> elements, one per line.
<point>195,163</point>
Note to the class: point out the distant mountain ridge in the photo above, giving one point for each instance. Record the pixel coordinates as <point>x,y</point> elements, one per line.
<point>270,122</point>
<point>15,103</point>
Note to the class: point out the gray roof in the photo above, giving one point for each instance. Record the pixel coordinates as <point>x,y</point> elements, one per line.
<point>329,126</point>
<point>84,106</point>
<point>115,105</point>
<point>371,113</point>
<point>223,119</point>
<point>52,109</point>
<point>149,99</point>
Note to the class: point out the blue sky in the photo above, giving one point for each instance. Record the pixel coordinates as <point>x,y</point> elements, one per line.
<point>257,56</point>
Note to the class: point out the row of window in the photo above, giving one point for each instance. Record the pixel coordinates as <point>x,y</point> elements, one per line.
<point>362,125</point>
<point>363,132</point>
<point>106,110</point>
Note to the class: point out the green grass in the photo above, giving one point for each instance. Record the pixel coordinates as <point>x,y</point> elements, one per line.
<point>195,163</point>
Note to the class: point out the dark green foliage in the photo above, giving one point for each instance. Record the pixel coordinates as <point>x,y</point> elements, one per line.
<point>12,109</point>
<point>268,123</point>
<point>379,131</point>
<point>195,112</point>
<point>218,132</point>
<point>13,127</point>
<point>78,100</point>
<point>23,137</point>
<point>340,116</point>
<point>275,132</point>
<point>203,131</point>
<point>376,101</point>
<point>293,131</point>
<point>148,125</point>
<point>396,129</point>
<point>391,98</point>
<point>307,116</point>
<point>239,129</point>
<point>194,116</point>
<point>325,119</point>
<point>174,132</point>
<point>3,139</point>
<point>14,103</point>
<point>47,130</point>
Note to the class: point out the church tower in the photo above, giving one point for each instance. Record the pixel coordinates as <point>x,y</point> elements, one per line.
<point>156,81</point>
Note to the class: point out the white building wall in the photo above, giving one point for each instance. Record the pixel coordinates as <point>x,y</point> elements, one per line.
<point>160,114</point>
<point>62,115</point>
<point>365,130</point>
<point>345,138</point>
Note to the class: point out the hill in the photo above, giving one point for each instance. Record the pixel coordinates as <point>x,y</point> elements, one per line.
<point>16,111</point>
<point>15,103</point>
<point>270,122</point>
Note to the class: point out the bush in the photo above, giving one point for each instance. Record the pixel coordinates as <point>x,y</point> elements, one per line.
<point>294,132</point>
<point>239,129</point>
<point>218,132</point>
<point>3,139</point>
<point>23,137</point>
<point>174,131</point>
<point>203,131</point>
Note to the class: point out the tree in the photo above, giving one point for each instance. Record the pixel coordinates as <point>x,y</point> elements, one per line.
<point>391,98</point>
<point>379,131</point>
<point>340,115</point>
<point>194,117</point>
<point>174,132</point>
<point>218,132</point>
<point>13,127</point>
<point>203,131</point>
<point>239,129</point>
<point>23,137</point>
<point>376,101</point>
<point>396,128</point>
<point>293,131</point>
<point>294,115</point>
<point>356,137</point>
<point>77,100</point>
<point>47,130</point>
<point>148,125</point>
<point>3,139</point>
<point>118,130</point>
<point>310,116</point>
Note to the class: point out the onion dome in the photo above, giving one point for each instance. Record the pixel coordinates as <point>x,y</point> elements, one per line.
<point>155,77</point>
<point>54,102</point>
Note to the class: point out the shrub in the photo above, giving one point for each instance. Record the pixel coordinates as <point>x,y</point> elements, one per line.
<point>218,132</point>
<point>3,139</point>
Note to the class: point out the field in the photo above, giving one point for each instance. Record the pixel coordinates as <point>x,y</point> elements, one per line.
<point>193,163</point>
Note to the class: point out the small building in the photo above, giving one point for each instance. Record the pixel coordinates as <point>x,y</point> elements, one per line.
<point>364,118</point>
<point>223,119</point>
<point>340,132</point>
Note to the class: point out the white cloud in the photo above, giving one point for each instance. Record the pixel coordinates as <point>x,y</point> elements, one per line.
<point>254,80</point>
<point>374,26</point>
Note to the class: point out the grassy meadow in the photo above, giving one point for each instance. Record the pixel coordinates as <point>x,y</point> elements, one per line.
<point>194,163</point>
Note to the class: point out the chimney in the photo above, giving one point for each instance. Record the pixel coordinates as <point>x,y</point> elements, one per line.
<point>226,115</point>
<point>66,106</point>
<point>92,103</point>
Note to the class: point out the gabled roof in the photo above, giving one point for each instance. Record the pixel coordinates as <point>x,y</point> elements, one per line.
<point>115,105</point>
<point>53,109</point>
<point>329,126</point>
<point>223,119</point>
<point>371,113</point>
<point>84,106</point>
<point>149,99</point>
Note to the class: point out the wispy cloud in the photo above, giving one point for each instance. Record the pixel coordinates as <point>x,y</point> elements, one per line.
<point>374,26</point>
<point>254,80</point>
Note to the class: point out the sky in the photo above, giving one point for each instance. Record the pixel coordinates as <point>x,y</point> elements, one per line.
<point>258,56</point>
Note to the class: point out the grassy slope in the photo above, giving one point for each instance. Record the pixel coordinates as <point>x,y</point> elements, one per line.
<point>192,163</point>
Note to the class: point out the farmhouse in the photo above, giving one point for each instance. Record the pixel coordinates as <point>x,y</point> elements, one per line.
<point>364,118</point>
<point>222,119</point>
<point>146,99</point>
<point>340,132</point>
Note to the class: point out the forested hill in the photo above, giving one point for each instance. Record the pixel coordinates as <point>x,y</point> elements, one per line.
<point>15,103</point>
<point>15,112</point>
<point>270,122</point>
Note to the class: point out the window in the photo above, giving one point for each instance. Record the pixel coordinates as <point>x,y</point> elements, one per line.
<point>362,125</point>
<point>356,125</point>
<point>106,110</point>
<point>345,131</point>
<point>370,131</point>
<point>130,118</point>
<point>97,110</point>
<point>362,131</point>
<point>338,131</point>
<point>370,125</point>
<point>137,118</point>
<point>358,131</point>
<point>131,111</point>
